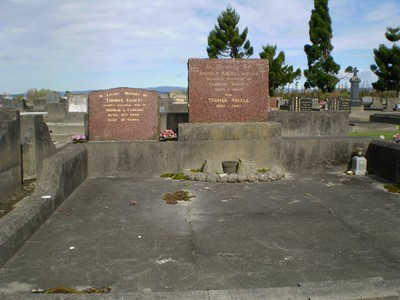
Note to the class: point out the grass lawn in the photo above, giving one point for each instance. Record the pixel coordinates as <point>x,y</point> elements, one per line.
<point>375,134</point>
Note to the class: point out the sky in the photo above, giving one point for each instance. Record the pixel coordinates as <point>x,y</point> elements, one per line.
<point>99,44</point>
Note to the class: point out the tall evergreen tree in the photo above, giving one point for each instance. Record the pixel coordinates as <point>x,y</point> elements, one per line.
<point>387,66</point>
<point>279,73</point>
<point>393,34</point>
<point>321,66</point>
<point>225,40</point>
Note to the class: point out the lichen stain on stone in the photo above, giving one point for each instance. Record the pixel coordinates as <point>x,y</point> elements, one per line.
<point>173,198</point>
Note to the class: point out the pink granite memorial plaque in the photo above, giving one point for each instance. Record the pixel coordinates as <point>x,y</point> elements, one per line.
<point>123,114</point>
<point>228,90</point>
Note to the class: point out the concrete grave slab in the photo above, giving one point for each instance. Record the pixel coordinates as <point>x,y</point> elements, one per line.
<point>310,233</point>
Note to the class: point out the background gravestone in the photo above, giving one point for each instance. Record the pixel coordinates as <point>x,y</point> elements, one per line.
<point>234,90</point>
<point>11,103</point>
<point>344,104</point>
<point>355,89</point>
<point>53,98</point>
<point>40,104</point>
<point>300,104</point>
<point>77,102</point>
<point>306,104</point>
<point>123,114</point>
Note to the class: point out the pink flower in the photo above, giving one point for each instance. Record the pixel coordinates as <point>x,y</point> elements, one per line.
<point>78,138</point>
<point>168,134</point>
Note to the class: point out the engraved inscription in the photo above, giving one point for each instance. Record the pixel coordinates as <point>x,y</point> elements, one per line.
<point>228,90</point>
<point>123,114</point>
<point>125,108</point>
<point>229,81</point>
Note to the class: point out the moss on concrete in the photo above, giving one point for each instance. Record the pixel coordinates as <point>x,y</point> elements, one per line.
<point>173,198</point>
<point>393,188</point>
<point>175,176</point>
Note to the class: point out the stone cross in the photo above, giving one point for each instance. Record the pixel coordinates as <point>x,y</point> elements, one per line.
<point>355,89</point>
<point>355,71</point>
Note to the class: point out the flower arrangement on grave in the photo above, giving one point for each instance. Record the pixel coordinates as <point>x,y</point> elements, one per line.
<point>168,134</point>
<point>396,138</point>
<point>78,138</point>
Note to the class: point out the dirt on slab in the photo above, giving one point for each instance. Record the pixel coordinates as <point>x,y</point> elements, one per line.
<point>7,204</point>
<point>173,198</point>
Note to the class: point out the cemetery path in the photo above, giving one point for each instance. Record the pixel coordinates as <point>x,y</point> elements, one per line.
<point>235,239</point>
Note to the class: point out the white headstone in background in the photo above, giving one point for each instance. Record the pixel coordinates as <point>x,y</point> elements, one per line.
<point>366,100</point>
<point>77,103</point>
<point>359,165</point>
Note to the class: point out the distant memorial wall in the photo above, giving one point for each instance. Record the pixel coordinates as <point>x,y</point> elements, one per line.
<point>228,90</point>
<point>123,114</point>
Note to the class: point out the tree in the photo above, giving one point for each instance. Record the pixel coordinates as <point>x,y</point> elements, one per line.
<point>322,69</point>
<point>393,34</point>
<point>279,73</point>
<point>34,93</point>
<point>387,66</point>
<point>225,41</point>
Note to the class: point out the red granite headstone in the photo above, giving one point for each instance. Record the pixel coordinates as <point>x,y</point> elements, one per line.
<point>233,90</point>
<point>273,102</point>
<point>123,114</point>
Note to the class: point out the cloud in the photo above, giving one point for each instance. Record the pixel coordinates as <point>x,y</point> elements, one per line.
<point>6,58</point>
<point>153,40</point>
<point>384,12</point>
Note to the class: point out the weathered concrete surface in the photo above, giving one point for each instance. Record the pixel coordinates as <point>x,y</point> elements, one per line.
<point>40,104</point>
<point>11,104</point>
<point>61,174</point>
<point>10,152</point>
<point>148,158</point>
<point>311,154</point>
<point>367,289</point>
<point>311,123</point>
<point>314,236</point>
<point>229,131</point>
<point>36,144</point>
<point>153,158</point>
<point>56,112</point>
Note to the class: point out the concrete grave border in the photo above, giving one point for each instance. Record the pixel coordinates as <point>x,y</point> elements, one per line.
<point>61,174</point>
